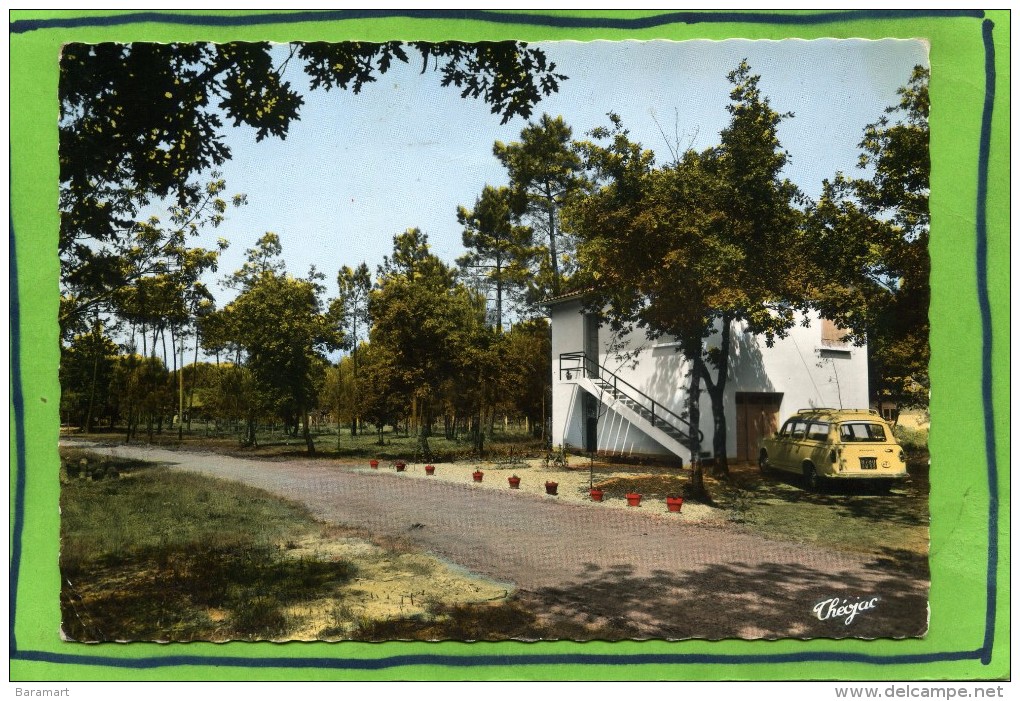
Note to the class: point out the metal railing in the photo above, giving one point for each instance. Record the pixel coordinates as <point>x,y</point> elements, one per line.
<point>586,366</point>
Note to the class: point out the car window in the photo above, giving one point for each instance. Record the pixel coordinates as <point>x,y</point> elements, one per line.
<point>818,431</point>
<point>787,428</point>
<point>799,430</point>
<point>862,431</point>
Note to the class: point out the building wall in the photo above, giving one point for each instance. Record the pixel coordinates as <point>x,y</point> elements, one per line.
<point>567,336</point>
<point>809,370</point>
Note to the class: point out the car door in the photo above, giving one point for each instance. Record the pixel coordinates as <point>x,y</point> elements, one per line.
<point>786,445</point>
<point>817,447</point>
<point>794,447</point>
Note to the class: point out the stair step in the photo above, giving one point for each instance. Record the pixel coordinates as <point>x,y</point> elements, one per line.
<point>656,420</point>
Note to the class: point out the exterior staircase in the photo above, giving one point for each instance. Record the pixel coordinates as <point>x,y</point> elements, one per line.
<point>665,427</point>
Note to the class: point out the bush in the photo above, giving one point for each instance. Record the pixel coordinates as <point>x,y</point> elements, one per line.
<point>912,439</point>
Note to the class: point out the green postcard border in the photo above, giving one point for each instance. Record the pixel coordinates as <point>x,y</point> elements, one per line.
<point>970,596</point>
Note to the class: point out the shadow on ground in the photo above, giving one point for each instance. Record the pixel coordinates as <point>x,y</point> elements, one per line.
<point>905,505</point>
<point>735,601</point>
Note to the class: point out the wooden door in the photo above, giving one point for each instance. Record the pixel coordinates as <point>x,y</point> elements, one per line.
<point>757,417</point>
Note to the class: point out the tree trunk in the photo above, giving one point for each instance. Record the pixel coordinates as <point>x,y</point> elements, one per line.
<point>717,393</point>
<point>194,381</point>
<point>305,431</point>
<point>250,432</point>
<point>92,389</point>
<point>354,381</point>
<point>720,465</point>
<point>423,423</point>
<point>477,437</point>
<point>499,294</point>
<point>130,418</point>
<point>698,491</point>
<point>553,255</point>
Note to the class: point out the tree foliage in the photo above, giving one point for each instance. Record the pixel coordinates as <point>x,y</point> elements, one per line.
<point>870,236</point>
<point>141,121</point>
<point>523,373</point>
<point>104,277</point>
<point>500,250</point>
<point>690,248</point>
<point>428,324</point>
<point>87,365</point>
<point>142,124</point>
<point>350,312</point>
<point>544,172</point>
<point>279,323</point>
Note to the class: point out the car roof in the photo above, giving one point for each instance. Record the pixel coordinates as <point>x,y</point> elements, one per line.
<point>839,414</point>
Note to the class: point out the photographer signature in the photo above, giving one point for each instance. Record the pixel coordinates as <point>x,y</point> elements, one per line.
<point>842,608</point>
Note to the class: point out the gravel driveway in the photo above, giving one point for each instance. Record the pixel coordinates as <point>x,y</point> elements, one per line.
<point>652,575</point>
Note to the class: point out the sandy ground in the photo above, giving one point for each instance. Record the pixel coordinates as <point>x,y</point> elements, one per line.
<point>389,585</point>
<point>641,571</point>
<point>572,483</point>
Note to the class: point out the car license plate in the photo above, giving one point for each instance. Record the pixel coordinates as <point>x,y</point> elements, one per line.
<point>869,463</point>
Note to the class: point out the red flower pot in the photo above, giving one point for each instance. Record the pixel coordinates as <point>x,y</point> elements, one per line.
<point>674,503</point>
<point>400,466</point>
<point>596,494</point>
<point>374,464</point>
<point>550,487</point>
<point>477,475</point>
<point>430,469</point>
<point>633,499</point>
<point>515,482</point>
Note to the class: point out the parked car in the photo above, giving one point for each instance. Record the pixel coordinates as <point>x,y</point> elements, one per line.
<point>835,444</point>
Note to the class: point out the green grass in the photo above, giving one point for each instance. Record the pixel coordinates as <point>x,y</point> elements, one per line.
<point>503,444</point>
<point>848,517</point>
<point>155,554</point>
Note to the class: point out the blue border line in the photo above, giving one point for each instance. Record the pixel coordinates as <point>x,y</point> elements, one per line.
<point>18,400</point>
<point>984,653</point>
<point>487,660</point>
<point>986,339</point>
<point>542,20</point>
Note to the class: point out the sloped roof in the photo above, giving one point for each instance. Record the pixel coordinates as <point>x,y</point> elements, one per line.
<point>561,298</point>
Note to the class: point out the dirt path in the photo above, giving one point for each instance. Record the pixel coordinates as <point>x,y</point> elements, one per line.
<point>655,575</point>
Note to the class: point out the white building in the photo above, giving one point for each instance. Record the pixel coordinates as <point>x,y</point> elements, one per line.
<point>631,392</point>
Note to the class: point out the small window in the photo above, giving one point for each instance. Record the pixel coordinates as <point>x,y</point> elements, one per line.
<point>862,432</point>
<point>799,430</point>
<point>818,432</point>
<point>833,335</point>
<point>787,429</point>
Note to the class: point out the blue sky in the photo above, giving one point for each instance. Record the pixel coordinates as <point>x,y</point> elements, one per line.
<point>357,169</point>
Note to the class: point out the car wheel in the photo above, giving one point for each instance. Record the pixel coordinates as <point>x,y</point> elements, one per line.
<point>763,463</point>
<point>811,478</point>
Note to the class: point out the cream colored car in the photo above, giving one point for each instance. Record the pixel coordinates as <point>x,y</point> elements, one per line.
<point>835,444</point>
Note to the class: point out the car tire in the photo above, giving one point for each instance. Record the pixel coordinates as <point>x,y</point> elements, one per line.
<point>812,480</point>
<point>763,463</point>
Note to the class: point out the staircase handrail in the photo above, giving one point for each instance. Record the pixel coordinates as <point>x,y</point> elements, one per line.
<point>583,366</point>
